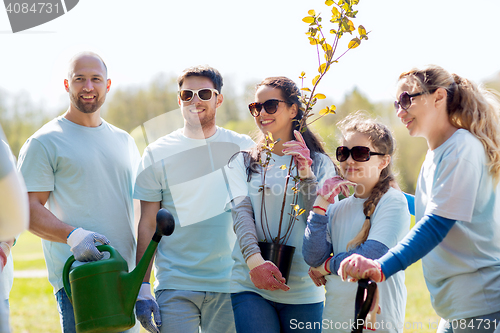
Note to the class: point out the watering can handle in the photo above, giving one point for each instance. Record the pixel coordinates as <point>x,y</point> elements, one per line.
<point>71,260</point>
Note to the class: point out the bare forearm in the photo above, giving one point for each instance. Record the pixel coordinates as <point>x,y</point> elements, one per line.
<point>45,225</point>
<point>145,231</point>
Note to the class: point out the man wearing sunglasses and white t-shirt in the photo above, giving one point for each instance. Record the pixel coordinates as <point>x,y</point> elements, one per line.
<point>184,172</point>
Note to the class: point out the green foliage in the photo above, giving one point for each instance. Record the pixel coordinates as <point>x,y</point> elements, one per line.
<point>20,118</point>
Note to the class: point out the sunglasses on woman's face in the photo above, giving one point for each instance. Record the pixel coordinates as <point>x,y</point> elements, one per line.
<point>405,100</point>
<point>271,106</point>
<point>358,153</point>
<point>204,94</point>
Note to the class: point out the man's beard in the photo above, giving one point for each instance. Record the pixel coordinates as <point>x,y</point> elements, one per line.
<point>86,107</point>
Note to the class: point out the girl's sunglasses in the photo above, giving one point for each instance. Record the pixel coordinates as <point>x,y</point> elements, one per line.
<point>405,100</point>
<point>358,153</point>
<point>271,106</point>
<point>204,94</point>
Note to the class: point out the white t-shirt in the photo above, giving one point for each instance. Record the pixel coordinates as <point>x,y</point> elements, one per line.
<point>302,289</point>
<point>188,177</point>
<point>89,172</point>
<point>463,272</point>
<point>390,222</point>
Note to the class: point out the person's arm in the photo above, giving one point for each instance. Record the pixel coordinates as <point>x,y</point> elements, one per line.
<point>370,249</point>
<point>145,231</point>
<point>244,226</point>
<point>316,245</point>
<point>43,223</point>
<point>425,236</point>
<point>308,189</point>
<point>264,274</point>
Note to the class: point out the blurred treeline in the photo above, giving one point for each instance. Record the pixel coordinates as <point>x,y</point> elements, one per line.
<point>148,112</point>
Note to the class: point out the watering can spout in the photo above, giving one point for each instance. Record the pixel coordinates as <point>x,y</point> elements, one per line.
<point>132,281</point>
<point>110,279</point>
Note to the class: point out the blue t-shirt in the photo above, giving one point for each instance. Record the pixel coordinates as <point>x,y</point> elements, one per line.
<point>302,289</point>
<point>463,272</point>
<point>389,224</point>
<point>89,172</point>
<point>188,177</point>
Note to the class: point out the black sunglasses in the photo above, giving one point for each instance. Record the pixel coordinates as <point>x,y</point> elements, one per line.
<point>405,100</point>
<point>358,153</point>
<point>204,94</point>
<point>271,106</point>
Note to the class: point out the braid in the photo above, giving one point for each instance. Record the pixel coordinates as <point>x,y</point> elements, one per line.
<point>368,208</point>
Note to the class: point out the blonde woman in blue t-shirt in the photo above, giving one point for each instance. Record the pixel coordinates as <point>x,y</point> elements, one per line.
<point>456,203</point>
<point>369,222</point>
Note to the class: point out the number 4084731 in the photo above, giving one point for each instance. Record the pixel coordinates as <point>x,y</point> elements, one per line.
<point>38,7</point>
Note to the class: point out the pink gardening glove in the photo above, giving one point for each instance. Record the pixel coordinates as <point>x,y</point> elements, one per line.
<point>333,186</point>
<point>359,267</point>
<point>267,276</point>
<point>317,277</point>
<point>4,253</point>
<point>301,154</point>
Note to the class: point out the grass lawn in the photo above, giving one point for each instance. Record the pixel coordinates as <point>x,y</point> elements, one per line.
<point>33,305</point>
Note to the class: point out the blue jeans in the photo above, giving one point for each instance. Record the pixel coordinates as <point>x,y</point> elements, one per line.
<point>481,324</point>
<point>253,313</point>
<point>185,311</point>
<point>67,315</point>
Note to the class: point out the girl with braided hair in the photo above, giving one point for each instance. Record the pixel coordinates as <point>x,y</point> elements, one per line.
<point>368,223</point>
<point>456,202</point>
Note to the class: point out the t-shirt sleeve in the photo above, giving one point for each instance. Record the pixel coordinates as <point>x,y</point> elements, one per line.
<point>36,166</point>
<point>236,175</point>
<point>148,186</point>
<point>455,186</point>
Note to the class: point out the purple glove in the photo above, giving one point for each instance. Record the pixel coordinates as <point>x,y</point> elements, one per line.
<point>301,154</point>
<point>267,276</point>
<point>333,186</point>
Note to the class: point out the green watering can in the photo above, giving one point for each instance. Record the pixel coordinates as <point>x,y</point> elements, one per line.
<point>103,293</point>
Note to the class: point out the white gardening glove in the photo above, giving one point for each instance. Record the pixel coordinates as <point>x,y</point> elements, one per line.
<point>4,254</point>
<point>83,246</point>
<point>145,307</point>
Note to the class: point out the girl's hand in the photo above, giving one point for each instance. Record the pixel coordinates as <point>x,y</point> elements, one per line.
<point>317,274</point>
<point>333,186</point>
<point>301,154</point>
<point>359,267</point>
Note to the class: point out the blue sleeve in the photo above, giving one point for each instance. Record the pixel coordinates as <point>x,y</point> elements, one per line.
<point>317,246</point>
<point>370,249</point>
<point>425,236</point>
<point>411,202</point>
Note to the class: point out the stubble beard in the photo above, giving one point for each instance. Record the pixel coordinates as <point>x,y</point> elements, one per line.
<point>86,107</point>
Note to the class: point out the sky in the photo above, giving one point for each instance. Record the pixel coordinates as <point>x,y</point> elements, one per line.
<point>248,41</point>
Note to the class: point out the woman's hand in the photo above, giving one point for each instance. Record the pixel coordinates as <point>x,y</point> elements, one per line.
<point>264,274</point>
<point>301,154</point>
<point>359,267</point>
